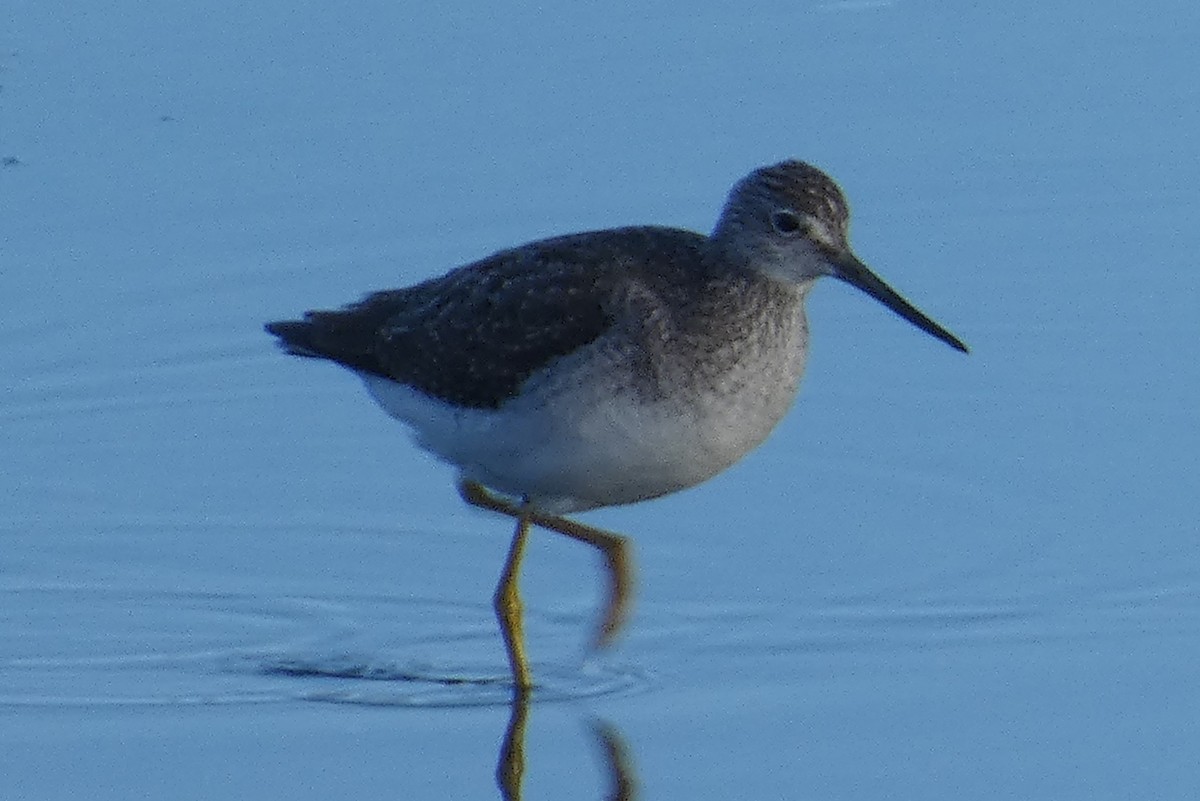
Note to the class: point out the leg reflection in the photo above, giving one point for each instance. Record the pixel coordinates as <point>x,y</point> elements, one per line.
<point>617,764</point>
<point>510,768</point>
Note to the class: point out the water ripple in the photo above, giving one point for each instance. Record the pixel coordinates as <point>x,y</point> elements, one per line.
<point>83,645</point>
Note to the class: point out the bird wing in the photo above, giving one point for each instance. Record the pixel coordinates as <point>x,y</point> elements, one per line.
<point>473,336</point>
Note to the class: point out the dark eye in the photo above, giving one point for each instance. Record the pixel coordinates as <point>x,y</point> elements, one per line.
<point>786,222</point>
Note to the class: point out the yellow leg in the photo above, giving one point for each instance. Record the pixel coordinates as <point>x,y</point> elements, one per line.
<point>615,549</point>
<point>509,611</point>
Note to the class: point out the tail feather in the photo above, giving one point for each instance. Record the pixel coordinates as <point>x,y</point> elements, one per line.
<point>328,335</point>
<point>295,337</point>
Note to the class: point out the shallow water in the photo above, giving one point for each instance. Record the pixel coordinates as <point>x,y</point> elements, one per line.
<point>224,572</point>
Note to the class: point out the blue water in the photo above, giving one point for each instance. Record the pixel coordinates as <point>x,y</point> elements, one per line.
<point>224,573</point>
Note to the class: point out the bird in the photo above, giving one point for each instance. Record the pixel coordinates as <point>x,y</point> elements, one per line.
<point>607,367</point>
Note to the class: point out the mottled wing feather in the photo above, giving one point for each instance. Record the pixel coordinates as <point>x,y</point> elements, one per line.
<point>473,336</point>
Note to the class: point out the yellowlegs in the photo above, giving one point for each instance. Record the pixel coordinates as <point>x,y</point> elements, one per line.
<point>604,368</point>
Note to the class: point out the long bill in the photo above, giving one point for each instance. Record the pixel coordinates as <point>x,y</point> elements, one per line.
<point>849,269</point>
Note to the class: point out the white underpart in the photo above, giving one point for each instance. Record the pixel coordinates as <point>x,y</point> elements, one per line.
<point>576,438</point>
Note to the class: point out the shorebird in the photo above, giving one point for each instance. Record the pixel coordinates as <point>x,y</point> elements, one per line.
<point>607,367</point>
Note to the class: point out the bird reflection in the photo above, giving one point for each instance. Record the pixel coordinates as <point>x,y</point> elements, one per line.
<point>510,768</point>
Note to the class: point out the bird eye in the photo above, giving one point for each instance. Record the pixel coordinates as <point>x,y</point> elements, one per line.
<point>786,222</point>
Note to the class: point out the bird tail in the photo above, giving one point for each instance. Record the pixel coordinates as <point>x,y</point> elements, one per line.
<point>333,336</point>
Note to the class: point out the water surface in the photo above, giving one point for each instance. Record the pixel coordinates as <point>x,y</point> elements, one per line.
<point>225,573</point>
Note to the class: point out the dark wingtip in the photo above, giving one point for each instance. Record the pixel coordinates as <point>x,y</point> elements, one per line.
<point>295,336</point>
<point>279,327</point>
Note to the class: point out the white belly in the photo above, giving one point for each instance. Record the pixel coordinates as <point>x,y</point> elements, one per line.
<point>575,440</point>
